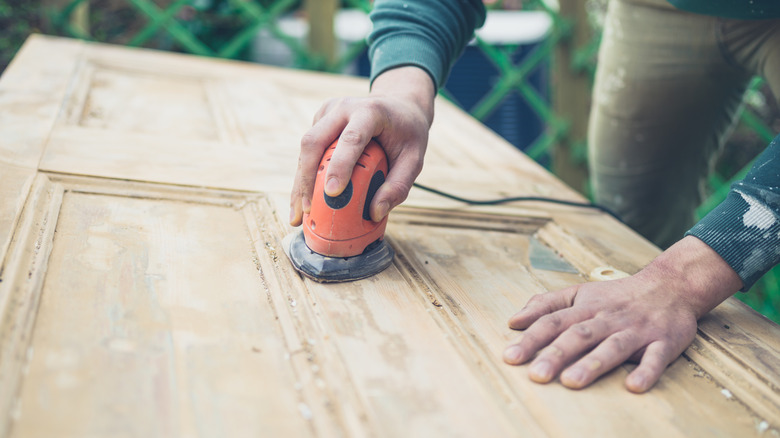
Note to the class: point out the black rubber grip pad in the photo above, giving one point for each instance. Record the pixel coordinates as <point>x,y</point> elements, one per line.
<point>340,201</point>
<point>377,180</point>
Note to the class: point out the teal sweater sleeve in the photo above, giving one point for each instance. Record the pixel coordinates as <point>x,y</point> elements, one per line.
<point>740,9</point>
<point>430,34</point>
<point>745,228</point>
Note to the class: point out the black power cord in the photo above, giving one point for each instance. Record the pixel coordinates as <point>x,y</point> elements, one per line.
<point>518,199</point>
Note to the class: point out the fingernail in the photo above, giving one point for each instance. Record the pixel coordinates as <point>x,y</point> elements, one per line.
<point>515,321</point>
<point>637,383</point>
<point>292,214</point>
<point>382,209</point>
<point>573,376</point>
<point>541,371</point>
<point>513,355</point>
<point>332,185</point>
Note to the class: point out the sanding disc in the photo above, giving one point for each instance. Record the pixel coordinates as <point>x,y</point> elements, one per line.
<point>324,269</point>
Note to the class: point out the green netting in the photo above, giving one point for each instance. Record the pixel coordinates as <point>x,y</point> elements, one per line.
<point>247,16</point>
<point>514,77</point>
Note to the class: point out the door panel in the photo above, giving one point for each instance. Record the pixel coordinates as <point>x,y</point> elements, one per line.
<point>151,308</point>
<point>477,280</point>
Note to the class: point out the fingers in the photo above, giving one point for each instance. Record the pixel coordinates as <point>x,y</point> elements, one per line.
<point>542,304</point>
<point>610,353</point>
<point>360,129</point>
<point>332,121</point>
<point>542,333</point>
<point>657,357</point>
<point>615,351</point>
<point>313,145</point>
<point>653,364</point>
<point>611,350</point>
<point>590,345</point>
<point>566,348</point>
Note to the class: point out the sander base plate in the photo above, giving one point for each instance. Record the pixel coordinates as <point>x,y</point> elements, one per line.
<point>325,269</point>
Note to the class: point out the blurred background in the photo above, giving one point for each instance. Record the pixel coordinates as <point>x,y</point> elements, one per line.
<point>527,75</point>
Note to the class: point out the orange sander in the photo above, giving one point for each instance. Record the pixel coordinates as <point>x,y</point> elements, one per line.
<point>339,241</point>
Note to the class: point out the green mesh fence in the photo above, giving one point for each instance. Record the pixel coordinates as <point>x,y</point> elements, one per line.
<point>227,29</point>
<point>514,77</point>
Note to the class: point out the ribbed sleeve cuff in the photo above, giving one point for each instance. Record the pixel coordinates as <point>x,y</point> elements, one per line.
<point>404,50</point>
<point>745,232</point>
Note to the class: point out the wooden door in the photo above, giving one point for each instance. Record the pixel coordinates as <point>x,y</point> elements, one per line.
<point>143,290</point>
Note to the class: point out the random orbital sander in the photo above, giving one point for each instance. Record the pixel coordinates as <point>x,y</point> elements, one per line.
<point>339,241</point>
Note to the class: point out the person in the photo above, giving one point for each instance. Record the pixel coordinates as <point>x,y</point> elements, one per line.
<point>669,82</point>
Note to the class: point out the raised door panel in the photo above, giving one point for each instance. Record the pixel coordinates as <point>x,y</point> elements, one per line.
<point>138,310</point>
<point>176,127</point>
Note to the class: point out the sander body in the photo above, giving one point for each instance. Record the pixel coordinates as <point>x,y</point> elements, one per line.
<point>339,241</point>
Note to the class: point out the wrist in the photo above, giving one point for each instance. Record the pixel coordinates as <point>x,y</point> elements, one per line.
<point>695,273</point>
<point>410,84</point>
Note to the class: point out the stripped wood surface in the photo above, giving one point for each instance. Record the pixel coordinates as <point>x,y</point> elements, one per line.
<point>144,292</point>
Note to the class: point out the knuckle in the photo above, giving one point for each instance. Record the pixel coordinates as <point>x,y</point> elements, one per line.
<point>417,166</point>
<point>529,339</point>
<point>665,353</point>
<point>551,320</point>
<point>345,101</point>
<point>308,142</point>
<point>535,300</point>
<point>306,186</point>
<point>582,331</point>
<point>620,343</point>
<point>334,104</point>
<point>398,191</point>
<point>552,351</point>
<point>617,344</point>
<point>352,136</point>
<point>373,106</point>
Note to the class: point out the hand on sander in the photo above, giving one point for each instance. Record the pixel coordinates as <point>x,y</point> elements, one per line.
<point>339,241</point>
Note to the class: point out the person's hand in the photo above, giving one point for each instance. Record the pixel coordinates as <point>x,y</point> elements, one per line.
<point>586,330</point>
<point>397,113</point>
